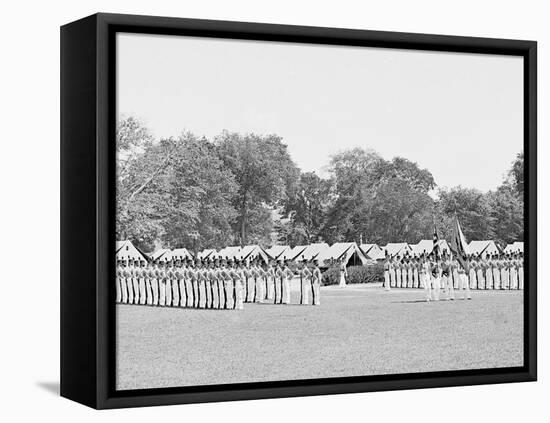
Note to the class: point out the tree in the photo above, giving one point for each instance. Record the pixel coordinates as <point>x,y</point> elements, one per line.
<point>264,172</point>
<point>306,207</point>
<point>507,215</point>
<point>199,211</point>
<point>473,209</point>
<point>516,175</point>
<point>379,200</point>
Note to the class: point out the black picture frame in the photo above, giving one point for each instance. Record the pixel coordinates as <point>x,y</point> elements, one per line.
<point>88,119</point>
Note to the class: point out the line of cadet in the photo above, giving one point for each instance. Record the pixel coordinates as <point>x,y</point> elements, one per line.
<point>433,273</point>
<point>213,283</point>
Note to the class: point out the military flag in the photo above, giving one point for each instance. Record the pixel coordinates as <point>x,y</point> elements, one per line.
<point>458,245</point>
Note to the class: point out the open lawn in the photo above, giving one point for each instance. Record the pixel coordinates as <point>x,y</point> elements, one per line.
<point>357,330</point>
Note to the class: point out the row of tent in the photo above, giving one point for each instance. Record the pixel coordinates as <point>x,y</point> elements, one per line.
<point>350,252</point>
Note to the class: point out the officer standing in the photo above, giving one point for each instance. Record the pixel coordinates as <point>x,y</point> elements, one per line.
<point>489,283</point>
<point>446,275</point>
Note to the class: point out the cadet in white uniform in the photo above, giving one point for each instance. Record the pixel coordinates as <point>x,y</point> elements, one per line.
<point>397,272</point>
<point>387,272</point>
<point>142,275</point>
<point>279,283</point>
<point>316,283</point>
<point>343,273</point>
<point>425,273</point>
<point>118,280</point>
<point>392,271</point>
<point>287,277</point>
<point>463,284</point>
<point>489,283</point>
<point>435,269</point>
<point>496,271</point>
<point>446,275</point>
<point>305,280</point>
<point>271,280</point>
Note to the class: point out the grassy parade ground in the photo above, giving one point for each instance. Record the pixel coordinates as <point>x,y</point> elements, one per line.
<point>357,330</point>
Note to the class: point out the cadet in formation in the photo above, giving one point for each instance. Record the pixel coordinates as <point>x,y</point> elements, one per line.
<point>212,284</point>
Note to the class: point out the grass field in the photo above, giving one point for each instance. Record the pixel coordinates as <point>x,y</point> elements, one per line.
<point>357,330</point>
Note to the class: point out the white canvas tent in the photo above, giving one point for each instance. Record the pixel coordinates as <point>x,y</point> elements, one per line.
<point>160,253</point>
<point>373,251</point>
<point>348,251</point>
<point>427,245</point>
<point>310,251</point>
<point>230,252</point>
<point>483,247</point>
<point>208,253</point>
<point>292,253</point>
<point>514,247</point>
<point>277,250</point>
<point>125,249</point>
<point>182,253</point>
<point>250,252</point>
<point>398,249</point>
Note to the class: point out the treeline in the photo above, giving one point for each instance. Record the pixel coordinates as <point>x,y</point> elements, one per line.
<point>245,188</point>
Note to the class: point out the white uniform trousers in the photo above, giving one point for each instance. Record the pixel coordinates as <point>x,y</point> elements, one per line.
<point>202,293</point>
<point>315,292</point>
<point>398,278</point>
<point>229,300</point>
<point>404,278</point>
<point>480,279</point>
<point>135,286</point>
<point>142,291</point>
<point>168,293</point>
<point>175,293</point>
<point>410,282</point>
<point>504,279</point>
<point>488,278</point>
<point>238,289</point>
<point>496,278</point>
<point>118,290</point>
<point>456,279</point>
<point>513,278</point>
<point>155,289</point>
<point>148,292</point>
<point>392,278</point>
<point>449,288</point>
<point>221,294</point>
<point>182,296</point>
<point>130,289</point>
<point>286,291</point>
<point>473,281</point>
<point>436,281</point>
<point>387,280</point>
<point>162,292</point>
<point>426,283</point>
<point>416,282</point>
<point>304,290</point>
<point>463,285</point>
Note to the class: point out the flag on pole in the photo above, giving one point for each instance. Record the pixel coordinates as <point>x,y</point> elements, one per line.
<point>459,247</point>
<point>436,241</point>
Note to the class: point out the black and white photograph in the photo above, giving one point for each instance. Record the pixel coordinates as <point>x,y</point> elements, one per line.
<point>290,211</point>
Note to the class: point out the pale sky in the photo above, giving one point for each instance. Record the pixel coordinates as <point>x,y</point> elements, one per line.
<point>458,115</point>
